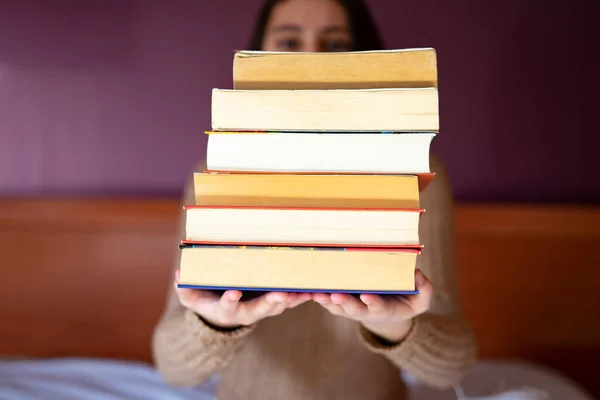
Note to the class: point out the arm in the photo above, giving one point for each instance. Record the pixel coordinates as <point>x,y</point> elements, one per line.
<point>187,351</point>
<point>439,347</point>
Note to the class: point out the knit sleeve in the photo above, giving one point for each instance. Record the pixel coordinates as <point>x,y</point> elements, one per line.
<point>187,351</point>
<point>440,349</point>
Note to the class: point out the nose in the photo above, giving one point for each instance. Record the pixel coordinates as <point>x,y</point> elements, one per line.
<point>311,44</point>
<point>312,48</point>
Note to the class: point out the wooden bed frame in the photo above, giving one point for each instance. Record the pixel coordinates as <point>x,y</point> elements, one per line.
<point>88,277</point>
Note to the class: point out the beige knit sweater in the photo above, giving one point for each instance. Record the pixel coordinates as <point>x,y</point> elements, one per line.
<point>307,353</point>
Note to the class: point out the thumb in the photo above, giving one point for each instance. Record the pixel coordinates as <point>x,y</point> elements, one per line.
<point>422,300</point>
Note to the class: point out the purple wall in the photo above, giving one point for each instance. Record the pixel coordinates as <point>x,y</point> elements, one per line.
<point>113,96</point>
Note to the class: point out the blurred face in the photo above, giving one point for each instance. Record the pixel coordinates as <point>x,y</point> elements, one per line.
<point>307,26</point>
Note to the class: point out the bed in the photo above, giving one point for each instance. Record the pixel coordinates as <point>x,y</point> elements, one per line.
<point>84,280</point>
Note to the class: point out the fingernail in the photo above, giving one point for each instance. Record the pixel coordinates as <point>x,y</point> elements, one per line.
<point>233,297</point>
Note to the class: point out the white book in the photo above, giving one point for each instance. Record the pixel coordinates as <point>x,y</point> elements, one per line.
<point>405,153</point>
<point>341,110</point>
<point>272,226</point>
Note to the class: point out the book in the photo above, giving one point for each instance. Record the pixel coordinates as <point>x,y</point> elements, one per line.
<point>423,178</point>
<point>315,164</point>
<point>325,152</point>
<point>369,110</point>
<point>268,225</point>
<point>312,269</point>
<point>416,67</point>
<point>331,191</point>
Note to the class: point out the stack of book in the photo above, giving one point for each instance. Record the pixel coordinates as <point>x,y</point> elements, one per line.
<point>315,164</point>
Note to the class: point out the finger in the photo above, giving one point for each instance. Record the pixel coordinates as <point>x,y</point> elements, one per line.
<point>324,299</point>
<point>270,304</point>
<point>279,297</point>
<point>321,298</point>
<point>292,297</point>
<point>334,309</point>
<point>420,302</point>
<point>190,296</point>
<point>276,309</point>
<point>349,304</point>
<point>267,303</point>
<point>230,300</point>
<point>374,303</point>
<point>176,281</point>
<point>300,298</point>
<point>194,296</point>
<point>187,297</point>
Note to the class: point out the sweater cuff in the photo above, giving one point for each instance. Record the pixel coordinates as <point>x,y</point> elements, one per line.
<point>208,334</point>
<point>379,345</point>
<point>404,349</point>
<point>430,337</point>
<point>439,350</point>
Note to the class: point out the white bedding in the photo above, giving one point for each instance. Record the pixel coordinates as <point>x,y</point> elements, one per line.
<point>96,379</point>
<point>88,379</point>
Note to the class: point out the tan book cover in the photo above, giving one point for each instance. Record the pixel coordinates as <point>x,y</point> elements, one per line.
<point>397,68</point>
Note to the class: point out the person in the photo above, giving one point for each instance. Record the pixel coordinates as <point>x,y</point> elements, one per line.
<point>321,346</point>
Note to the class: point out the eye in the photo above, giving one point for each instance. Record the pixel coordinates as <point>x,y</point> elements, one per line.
<point>336,45</point>
<point>288,44</point>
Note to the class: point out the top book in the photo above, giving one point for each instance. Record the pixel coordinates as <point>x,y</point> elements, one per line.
<point>401,68</point>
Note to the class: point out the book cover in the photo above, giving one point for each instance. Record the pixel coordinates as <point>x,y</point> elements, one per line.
<point>260,290</point>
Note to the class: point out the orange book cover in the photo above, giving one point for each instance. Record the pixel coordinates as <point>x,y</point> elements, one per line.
<point>424,178</point>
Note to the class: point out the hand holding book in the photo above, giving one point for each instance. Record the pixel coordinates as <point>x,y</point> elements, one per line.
<point>388,317</point>
<point>226,311</point>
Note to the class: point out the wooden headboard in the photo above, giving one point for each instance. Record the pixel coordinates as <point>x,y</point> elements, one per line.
<point>88,277</point>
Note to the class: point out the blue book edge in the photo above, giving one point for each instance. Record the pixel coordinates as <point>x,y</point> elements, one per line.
<point>261,289</point>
